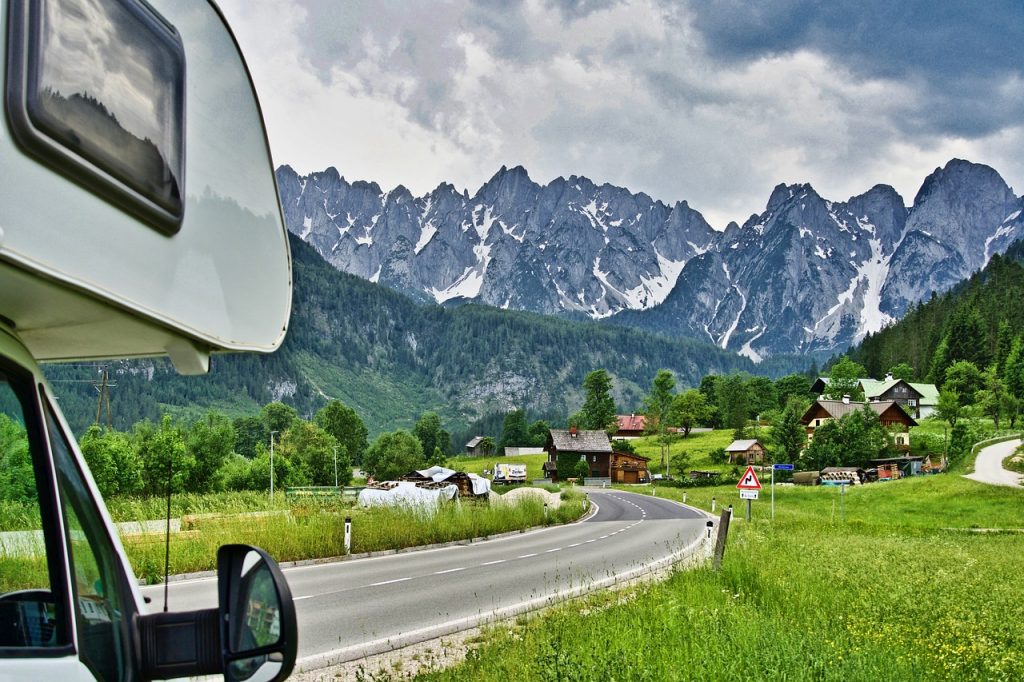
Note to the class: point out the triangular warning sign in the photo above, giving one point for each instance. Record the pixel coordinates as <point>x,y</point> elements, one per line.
<point>748,481</point>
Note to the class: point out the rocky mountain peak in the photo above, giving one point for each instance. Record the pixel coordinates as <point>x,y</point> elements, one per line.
<point>806,275</point>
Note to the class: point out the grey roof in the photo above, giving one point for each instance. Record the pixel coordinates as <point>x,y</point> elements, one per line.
<point>740,445</point>
<point>583,441</point>
<point>474,442</point>
<point>838,408</point>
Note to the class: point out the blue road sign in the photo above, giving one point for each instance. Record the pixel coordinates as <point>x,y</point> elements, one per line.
<point>783,467</point>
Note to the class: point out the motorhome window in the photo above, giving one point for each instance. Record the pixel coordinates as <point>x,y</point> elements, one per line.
<point>33,612</point>
<point>104,100</point>
<point>97,578</point>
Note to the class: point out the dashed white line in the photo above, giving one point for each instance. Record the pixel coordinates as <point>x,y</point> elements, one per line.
<point>575,544</point>
<point>389,582</point>
<point>308,596</point>
<point>553,549</point>
<point>526,556</point>
<point>450,570</point>
<point>491,563</point>
<point>588,542</point>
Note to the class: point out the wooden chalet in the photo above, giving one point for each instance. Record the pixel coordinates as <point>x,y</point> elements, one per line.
<point>752,451</point>
<point>593,447</point>
<point>630,426</point>
<point>917,400</point>
<point>890,413</point>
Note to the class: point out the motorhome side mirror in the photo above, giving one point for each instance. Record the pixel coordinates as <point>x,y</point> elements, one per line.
<point>259,634</point>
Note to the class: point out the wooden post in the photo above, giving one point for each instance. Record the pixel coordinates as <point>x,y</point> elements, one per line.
<point>723,534</point>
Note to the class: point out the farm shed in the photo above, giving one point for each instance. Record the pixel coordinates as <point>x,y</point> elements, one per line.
<point>752,451</point>
<point>898,467</point>
<point>478,446</point>
<point>629,468</point>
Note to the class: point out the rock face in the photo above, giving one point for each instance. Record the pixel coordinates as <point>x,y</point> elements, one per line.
<point>807,274</point>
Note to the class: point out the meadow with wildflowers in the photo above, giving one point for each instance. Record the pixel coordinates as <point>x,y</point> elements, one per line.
<point>910,580</point>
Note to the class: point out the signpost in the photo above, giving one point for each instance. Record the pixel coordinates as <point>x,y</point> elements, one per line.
<point>749,486</point>
<point>777,467</point>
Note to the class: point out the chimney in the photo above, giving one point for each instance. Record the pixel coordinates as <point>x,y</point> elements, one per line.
<point>846,400</point>
<point>888,376</point>
<point>572,431</point>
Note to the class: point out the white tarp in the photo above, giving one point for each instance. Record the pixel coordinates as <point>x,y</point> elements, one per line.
<point>406,494</point>
<point>436,474</point>
<point>481,486</point>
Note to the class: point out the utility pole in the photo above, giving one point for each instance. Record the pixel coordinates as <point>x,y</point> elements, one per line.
<point>335,466</point>
<point>272,463</point>
<point>103,386</point>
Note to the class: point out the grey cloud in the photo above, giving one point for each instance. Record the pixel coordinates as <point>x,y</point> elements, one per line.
<point>958,54</point>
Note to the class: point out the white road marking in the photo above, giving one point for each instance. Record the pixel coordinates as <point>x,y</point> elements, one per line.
<point>308,596</point>
<point>555,549</point>
<point>588,542</point>
<point>575,544</point>
<point>389,582</point>
<point>491,563</point>
<point>450,570</point>
<point>526,556</point>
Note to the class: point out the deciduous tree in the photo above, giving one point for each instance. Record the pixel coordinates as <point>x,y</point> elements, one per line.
<point>345,425</point>
<point>393,454</point>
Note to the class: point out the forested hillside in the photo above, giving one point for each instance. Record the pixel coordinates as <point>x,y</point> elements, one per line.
<point>977,320</point>
<point>392,359</point>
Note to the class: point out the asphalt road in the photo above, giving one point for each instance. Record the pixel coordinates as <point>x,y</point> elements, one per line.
<point>988,466</point>
<point>350,609</point>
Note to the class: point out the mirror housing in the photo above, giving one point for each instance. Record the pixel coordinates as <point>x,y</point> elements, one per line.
<point>251,636</point>
<point>259,633</point>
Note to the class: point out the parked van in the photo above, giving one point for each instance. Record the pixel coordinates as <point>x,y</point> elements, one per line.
<point>139,217</point>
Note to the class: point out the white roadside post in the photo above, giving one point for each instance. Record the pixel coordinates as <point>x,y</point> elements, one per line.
<point>348,535</point>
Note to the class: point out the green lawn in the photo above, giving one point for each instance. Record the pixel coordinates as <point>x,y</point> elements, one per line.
<point>476,465</point>
<point>900,590</point>
<point>697,447</point>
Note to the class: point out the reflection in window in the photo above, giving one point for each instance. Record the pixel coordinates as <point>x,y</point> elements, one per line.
<point>106,81</point>
<point>28,605</point>
<point>95,567</point>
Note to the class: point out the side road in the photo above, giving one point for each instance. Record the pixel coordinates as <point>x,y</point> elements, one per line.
<point>988,467</point>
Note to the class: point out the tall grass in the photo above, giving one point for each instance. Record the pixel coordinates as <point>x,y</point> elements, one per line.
<point>311,532</point>
<point>901,590</point>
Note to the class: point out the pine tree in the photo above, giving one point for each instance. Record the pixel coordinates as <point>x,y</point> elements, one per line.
<point>598,411</point>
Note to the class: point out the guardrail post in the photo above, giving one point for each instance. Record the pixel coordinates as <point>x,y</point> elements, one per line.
<point>348,535</point>
<point>712,505</point>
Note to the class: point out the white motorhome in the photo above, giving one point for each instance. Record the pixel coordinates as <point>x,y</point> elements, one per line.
<point>138,217</point>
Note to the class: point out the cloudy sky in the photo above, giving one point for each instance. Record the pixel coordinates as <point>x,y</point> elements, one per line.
<point>714,102</point>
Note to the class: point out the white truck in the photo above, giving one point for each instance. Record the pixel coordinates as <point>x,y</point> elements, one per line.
<point>139,216</point>
<point>507,473</point>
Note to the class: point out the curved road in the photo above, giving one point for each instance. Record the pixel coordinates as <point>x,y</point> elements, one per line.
<point>988,466</point>
<point>351,609</point>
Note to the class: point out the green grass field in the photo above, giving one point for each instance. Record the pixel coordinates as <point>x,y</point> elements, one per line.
<point>476,465</point>
<point>899,590</point>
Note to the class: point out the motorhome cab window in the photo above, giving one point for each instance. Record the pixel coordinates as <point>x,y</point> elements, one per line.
<point>99,94</point>
<point>33,605</point>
